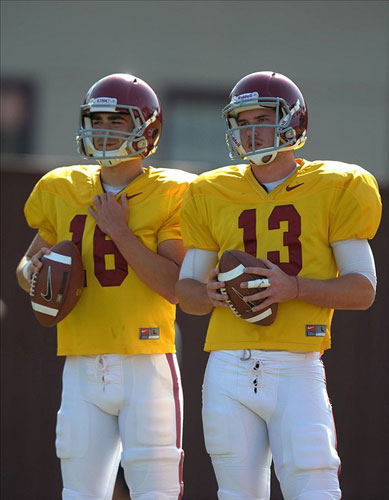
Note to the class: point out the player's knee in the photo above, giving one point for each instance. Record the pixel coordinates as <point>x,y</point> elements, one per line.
<point>155,452</point>
<point>320,495</point>
<point>318,484</point>
<point>142,454</point>
<point>310,465</point>
<point>71,441</point>
<point>239,479</point>
<point>68,494</point>
<point>153,462</point>
<point>224,494</point>
<point>155,495</point>
<point>153,469</point>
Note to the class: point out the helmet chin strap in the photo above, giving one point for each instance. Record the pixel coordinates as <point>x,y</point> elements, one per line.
<point>113,157</point>
<point>115,161</point>
<point>262,159</point>
<point>122,152</point>
<point>111,163</point>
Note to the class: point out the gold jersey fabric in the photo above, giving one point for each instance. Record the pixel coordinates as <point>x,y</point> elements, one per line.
<point>117,312</point>
<point>293,226</point>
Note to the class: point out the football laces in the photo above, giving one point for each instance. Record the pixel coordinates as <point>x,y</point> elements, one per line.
<point>34,278</point>
<point>230,304</point>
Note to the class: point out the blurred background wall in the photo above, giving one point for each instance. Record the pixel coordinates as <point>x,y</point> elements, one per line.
<point>192,53</point>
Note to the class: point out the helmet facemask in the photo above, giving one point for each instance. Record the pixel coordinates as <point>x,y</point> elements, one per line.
<point>135,144</point>
<point>284,137</point>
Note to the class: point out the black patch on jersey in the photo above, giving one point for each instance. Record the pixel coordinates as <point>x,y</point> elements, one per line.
<point>149,333</point>
<point>315,330</point>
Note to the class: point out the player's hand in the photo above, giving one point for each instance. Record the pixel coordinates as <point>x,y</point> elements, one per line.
<point>282,286</point>
<point>36,264</point>
<point>110,215</point>
<point>213,289</point>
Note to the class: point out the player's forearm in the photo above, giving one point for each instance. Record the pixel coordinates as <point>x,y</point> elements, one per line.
<point>156,271</point>
<point>351,291</point>
<point>193,297</point>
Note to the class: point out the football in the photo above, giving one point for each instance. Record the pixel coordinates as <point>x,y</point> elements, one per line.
<point>56,289</point>
<point>231,272</point>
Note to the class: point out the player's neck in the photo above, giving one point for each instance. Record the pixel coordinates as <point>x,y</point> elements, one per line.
<point>121,174</point>
<point>281,167</point>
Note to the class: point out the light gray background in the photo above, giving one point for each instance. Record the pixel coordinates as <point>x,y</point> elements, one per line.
<point>336,51</point>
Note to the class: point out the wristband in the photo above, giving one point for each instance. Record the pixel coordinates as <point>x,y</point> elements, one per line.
<point>26,267</point>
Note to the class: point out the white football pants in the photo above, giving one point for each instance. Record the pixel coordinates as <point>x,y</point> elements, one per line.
<point>128,407</point>
<point>272,405</point>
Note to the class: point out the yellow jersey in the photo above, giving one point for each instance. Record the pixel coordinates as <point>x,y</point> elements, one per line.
<point>294,227</point>
<point>117,313</point>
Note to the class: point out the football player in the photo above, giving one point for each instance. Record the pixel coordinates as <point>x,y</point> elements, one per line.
<point>122,394</point>
<point>265,393</point>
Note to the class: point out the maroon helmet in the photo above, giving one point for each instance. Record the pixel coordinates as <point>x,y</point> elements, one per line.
<point>121,93</point>
<point>266,89</point>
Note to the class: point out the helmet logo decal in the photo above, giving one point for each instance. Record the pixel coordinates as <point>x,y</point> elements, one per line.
<point>111,101</point>
<point>245,97</point>
<point>296,107</point>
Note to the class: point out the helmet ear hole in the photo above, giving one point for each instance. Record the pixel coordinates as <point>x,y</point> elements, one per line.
<point>140,144</point>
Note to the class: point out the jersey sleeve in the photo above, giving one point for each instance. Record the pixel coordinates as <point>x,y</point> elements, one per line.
<point>356,208</point>
<point>194,221</point>
<point>40,214</point>
<point>170,229</point>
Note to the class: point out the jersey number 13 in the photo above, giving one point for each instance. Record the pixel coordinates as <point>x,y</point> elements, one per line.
<point>282,213</point>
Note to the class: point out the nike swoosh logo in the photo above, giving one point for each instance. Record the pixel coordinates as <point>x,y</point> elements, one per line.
<point>49,290</point>
<point>133,195</point>
<point>290,188</point>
